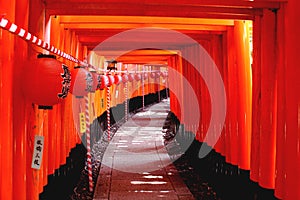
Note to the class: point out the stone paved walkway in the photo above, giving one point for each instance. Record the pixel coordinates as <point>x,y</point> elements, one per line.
<point>136,164</point>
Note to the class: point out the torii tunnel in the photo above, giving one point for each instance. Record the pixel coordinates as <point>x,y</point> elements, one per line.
<point>222,75</point>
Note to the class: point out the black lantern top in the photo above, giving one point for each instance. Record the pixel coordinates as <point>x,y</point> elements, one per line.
<point>112,65</point>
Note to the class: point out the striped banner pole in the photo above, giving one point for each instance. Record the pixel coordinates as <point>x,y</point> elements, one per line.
<point>88,144</point>
<point>126,95</point>
<point>108,112</point>
<point>126,102</point>
<point>167,86</point>
<point>143,90</point>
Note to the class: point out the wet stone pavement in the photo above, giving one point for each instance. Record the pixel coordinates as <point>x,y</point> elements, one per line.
<point>161,180</point>
<point>136,164</point>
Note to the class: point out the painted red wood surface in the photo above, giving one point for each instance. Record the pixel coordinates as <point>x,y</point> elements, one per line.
<point>268,101</point>
<point>6,104</point>
<point>292,86</point>
<point>281,114</point>
<point>256,100</point>
<point>261,130</point>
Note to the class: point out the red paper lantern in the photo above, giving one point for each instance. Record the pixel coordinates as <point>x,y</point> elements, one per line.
<point>130,77</point>
<point>46,81</point>
<point>137,77</point>
<point>96,81</point>
<point>152,74</point>
<point>164,74</point>
<point>103,82</point>
<point>111,80</point>
<point>145,75</point>
<point>82,82</point>
<point>118,79</point>
<point>124,78</point>
<point>157,74</point>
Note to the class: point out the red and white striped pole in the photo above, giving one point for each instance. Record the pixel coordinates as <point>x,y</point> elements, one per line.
<point>143,88</point>
<point>126,102</point>
<point>157,81</point>
<point>88,144</point>
<point>108,112</point>
<point>126,95</point>
<point>167,85</point>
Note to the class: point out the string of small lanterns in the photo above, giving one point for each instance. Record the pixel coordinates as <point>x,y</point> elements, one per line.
<point>86,78</point>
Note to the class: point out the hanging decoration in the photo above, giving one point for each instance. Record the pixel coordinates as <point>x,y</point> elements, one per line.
<point>46,81</point>
<point>164,74</point>
<point>111,80</point>
<point>118,79</point>
<point>145,75</point>
<point>124,78</point>
<point>96,81</point>
<point>137,76</point>
<point>152,75</point>
<point>103,82</point>
<point>82,123</point>
<point>25,35</point>
<point>37,156</point>
<point>157,74</point>
<point>130,77</point>
<point>82,82</point>
<point>111,65</point>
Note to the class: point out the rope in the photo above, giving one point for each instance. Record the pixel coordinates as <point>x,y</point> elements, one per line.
<point>6,24</point>
<point>25,35</point>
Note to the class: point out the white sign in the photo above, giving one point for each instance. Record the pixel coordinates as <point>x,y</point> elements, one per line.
<point>37,152</point>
